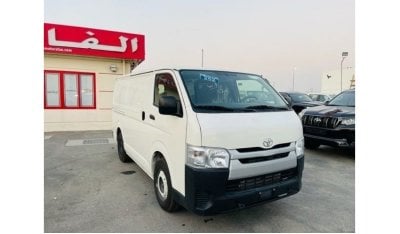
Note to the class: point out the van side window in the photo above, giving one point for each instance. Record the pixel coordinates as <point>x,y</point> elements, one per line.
<point>164,85</point>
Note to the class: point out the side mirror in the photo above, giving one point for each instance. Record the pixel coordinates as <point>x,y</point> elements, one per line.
<point>168,105</point>
<point>326,102</point>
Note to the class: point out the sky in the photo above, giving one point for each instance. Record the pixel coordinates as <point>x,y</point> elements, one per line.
<point>278,39</point>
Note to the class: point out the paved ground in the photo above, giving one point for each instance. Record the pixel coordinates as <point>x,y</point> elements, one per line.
<point>87,189</point>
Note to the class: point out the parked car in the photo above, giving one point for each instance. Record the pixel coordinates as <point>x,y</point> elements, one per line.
<point>319,97</point>
<point>331,124</point>
<point>299,101</point>
<point>332,96</point>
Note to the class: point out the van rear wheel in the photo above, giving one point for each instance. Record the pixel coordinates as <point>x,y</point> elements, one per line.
<point>121,150</point>
<point>163,187</point>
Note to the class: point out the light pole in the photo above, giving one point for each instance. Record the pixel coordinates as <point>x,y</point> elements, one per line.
<point>202,55</point>
<point>294,69</point>
<point>344,55</point>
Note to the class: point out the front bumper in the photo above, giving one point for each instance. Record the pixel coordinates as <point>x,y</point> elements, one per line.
<point>210,192</point>
<point>344,138</point>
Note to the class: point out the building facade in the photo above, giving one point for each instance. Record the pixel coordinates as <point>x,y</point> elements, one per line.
<point>80,68</point>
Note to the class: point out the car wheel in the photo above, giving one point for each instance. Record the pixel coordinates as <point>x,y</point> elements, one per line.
<point>121,150</point>
<point>309,144</point>
<point>163,187</point>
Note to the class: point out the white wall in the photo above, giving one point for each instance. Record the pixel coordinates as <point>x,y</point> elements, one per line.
<point>85,119</point>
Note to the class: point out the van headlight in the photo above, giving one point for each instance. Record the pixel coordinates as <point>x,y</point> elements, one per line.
<point>300,147</point>
<point>205,157</point>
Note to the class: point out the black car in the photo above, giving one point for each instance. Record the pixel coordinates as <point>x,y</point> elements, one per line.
<point>331,124</point>
<point>299,101</point>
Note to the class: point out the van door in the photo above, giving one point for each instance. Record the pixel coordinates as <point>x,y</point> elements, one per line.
<point>167,132</point>
<point>137,90</point>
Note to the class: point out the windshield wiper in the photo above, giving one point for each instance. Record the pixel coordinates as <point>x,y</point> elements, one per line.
<point>213,107</point>
<point>266,107</point>
<point>340,105</point>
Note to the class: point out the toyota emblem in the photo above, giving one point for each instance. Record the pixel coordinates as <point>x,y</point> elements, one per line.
<point>267,143</point>
<point>317,120</point>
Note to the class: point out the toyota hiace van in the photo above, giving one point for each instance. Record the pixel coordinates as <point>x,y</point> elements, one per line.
<point>212,141</point>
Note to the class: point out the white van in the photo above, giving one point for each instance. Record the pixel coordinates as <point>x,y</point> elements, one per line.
<point>212,141</point>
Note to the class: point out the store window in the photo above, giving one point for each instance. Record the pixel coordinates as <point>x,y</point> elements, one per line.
<point>69,90</point>
<point>52,91</point>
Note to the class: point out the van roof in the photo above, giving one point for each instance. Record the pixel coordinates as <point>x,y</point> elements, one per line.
<point>176,68</point>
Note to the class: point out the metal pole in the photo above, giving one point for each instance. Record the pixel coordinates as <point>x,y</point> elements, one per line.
<point>344,55</point>
<point>341,75</point>
<point>294,68</point>
<point>202,55</point>
<point>293,81</point>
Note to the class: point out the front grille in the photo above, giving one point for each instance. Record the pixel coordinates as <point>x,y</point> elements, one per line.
<point>253,149</point>
<point>260,181</point>
<point>264,158</point>
<point>331,133</point>
<point>320,121</point>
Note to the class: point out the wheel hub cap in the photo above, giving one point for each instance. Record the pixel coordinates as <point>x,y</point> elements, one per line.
<point>162,185</point>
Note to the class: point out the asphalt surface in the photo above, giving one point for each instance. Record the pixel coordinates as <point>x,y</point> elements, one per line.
<point>87,189</point>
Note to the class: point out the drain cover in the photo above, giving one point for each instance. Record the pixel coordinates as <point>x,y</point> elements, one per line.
<point>128,172</point>
<point>95,141</point>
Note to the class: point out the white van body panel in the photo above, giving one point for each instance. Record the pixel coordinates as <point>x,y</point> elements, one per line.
<point>244,130</point>
<point>143,138</point>
<point>234,131</point>
<point>127,110</point>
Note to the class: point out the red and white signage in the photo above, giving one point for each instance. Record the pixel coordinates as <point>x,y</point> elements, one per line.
<point>62,39</point>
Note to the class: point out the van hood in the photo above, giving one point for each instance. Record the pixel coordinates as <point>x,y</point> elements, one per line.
<point>246,130</point>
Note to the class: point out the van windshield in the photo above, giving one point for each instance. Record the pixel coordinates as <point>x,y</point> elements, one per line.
<point>221,91</point>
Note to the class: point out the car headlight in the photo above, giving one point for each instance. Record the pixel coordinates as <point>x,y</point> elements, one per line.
<point>205,157</point>
<point>349,121</point>
<point>300,147</point>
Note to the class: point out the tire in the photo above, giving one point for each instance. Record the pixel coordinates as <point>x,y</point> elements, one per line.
<point>162,186</point>
<point>309,144</point>
<point>121,150</point>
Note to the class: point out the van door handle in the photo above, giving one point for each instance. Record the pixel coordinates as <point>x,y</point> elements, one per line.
<point>152,117</point>
<point>143,115</point>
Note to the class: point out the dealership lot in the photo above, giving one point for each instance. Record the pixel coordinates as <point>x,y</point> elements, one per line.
<point>87,189</point>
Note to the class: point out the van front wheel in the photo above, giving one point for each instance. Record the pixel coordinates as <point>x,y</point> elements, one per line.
<point>121,150</point>
<point>163,187</point>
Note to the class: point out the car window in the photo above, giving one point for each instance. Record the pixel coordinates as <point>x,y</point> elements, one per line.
<point>300,97</point>
<point>313,97</point>
<point>343,99</point>
<point>164,85</point>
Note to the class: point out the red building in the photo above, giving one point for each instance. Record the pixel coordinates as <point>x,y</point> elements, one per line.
<point>80,67</point>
